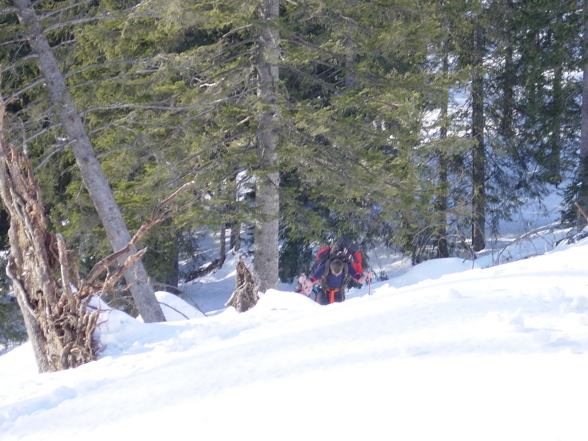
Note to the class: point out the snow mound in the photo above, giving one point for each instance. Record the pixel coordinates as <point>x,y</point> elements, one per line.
<point>433,269</point>
<point>174,308</point>
<point>280,300</point>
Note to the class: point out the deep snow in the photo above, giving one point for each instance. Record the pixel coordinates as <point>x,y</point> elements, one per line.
<point>450,350</point>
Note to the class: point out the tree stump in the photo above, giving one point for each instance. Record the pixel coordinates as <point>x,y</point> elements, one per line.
<point>245,296</point>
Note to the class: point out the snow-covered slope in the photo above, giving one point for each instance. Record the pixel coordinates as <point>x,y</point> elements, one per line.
<point>499,353</point>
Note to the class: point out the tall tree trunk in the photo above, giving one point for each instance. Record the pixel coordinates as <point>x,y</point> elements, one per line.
<point>508,83</point>
<point>441,203</point>
<point>583,167</point>
<point>235,226</point>
<point>268,180</point>
<point>92,174</point>
<point>555,142</point>
<point>479,153</point>
<point>235,240</point>
<point>222,246</point>
<point>350,81</point>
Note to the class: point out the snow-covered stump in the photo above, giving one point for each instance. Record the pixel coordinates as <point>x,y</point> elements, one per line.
<point>245,296</point>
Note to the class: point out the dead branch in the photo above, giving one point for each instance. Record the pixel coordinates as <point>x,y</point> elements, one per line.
<point>582,212</point>
<point>114,278</point>
<point>176,310</point>
<point>156,218</point>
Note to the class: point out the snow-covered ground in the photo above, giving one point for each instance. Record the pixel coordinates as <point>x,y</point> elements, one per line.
<point>450,350</point>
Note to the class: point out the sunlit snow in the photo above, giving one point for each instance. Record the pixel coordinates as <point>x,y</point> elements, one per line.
<point>450,350</point>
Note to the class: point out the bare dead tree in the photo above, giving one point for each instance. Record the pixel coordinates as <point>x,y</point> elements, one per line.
<point>58,322</point>
<point>53,299</point>
<point>245,296</point>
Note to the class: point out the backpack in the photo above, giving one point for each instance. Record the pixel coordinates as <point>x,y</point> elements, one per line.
<point>344,250</point>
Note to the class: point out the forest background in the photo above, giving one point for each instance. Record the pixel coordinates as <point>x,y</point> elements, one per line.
<point>416,124</point>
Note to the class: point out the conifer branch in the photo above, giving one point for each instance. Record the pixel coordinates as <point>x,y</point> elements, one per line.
<point>64,9</point>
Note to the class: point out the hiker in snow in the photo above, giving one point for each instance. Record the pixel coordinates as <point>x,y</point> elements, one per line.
<point>332,276</point>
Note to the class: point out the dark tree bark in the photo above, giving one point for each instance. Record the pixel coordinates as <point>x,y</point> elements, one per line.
<point>442,204</point>
<point>235,239</point>
<point>479,151</point>
<point>222,251</point>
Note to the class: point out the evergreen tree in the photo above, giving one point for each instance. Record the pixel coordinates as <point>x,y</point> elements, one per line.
<point>328,136</point>
<point>351,106</point>
<point>533,99</point>
<point>357,72</point>
<point>527,133</point>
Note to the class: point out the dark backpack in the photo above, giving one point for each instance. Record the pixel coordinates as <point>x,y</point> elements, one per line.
<point>343,250</point>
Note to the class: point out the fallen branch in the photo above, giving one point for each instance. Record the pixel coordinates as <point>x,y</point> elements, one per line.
<point>179,312</point>
<point>582,212</point>
<point>156,218</point>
